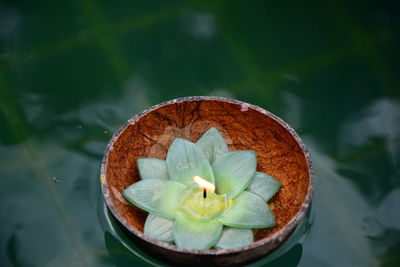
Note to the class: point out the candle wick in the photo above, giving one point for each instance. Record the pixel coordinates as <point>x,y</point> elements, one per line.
<point>204,193</point>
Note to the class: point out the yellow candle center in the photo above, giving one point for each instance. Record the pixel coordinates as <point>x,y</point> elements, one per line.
<point>199,206</point>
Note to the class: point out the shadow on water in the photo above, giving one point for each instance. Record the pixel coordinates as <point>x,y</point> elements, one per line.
<point>290,258</point>
<point>121,256</point>
<point>123,251</point>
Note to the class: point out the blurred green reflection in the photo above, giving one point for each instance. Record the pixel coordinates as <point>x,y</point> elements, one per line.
<point>72,72</point>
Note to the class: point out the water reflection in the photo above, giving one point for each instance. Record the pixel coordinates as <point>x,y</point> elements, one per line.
<point>379,120</point>
<point>340,209</point>
<point>291,77</point>
<point>110,113</point>
<point>199,24</point>
<point>70,76</point>
<point>293,112</point>
<point>389,209</point>
<point>9,21</point>
<point>383,230</point>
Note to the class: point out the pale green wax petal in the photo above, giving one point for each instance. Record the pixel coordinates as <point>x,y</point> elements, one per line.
<point>234,238</point>
<point>248,210</point>
<point>156,196</point>
<point>213,144</point>
<point>264,185</point>
<point>185,160</point>
<point>234,172</point>
<point>196,234</point>
<point>152,168</point>
<point>159,228</point>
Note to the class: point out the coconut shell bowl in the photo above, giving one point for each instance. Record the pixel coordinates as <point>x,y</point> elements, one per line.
<point>280,153</point>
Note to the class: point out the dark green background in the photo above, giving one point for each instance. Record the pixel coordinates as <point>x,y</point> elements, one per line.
<point>72,72</point>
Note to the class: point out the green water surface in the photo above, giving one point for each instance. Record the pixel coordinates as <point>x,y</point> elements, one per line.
<point>72,72</point>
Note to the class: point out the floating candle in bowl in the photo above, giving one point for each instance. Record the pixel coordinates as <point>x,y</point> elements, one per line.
<point>192,211</point>
<point>280,153</point>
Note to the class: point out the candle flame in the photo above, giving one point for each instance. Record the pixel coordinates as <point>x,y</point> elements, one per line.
<point>204,184</point>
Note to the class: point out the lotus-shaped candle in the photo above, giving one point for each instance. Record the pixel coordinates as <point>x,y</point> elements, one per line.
<point>203,195</point>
